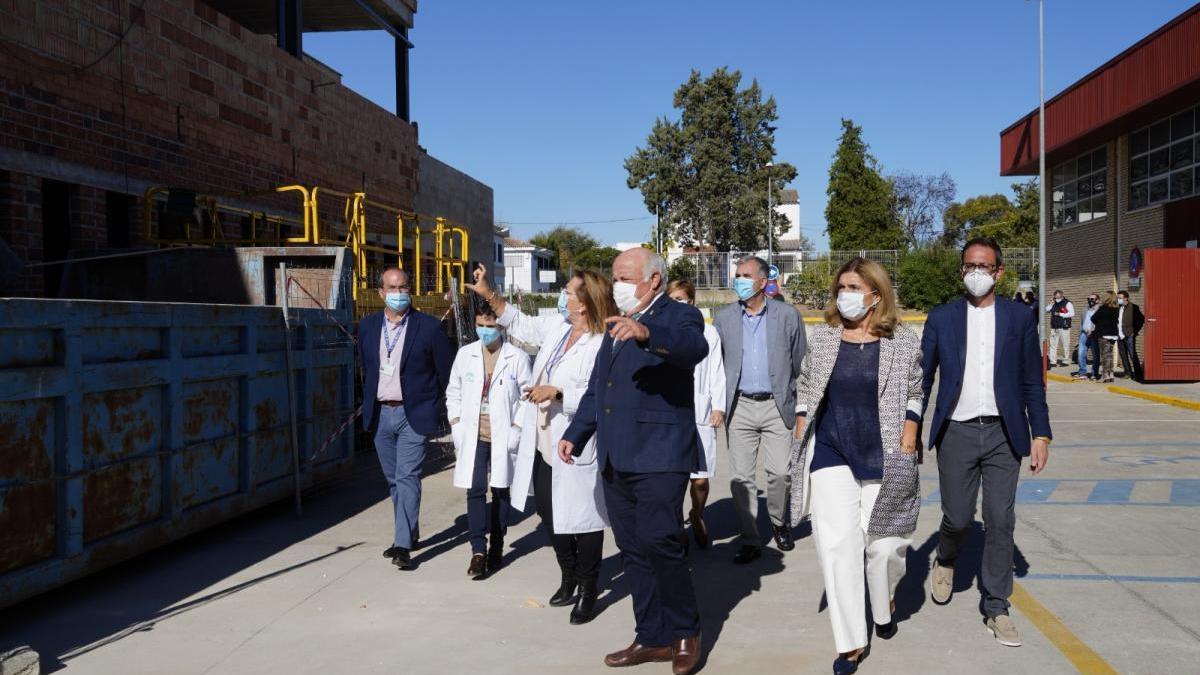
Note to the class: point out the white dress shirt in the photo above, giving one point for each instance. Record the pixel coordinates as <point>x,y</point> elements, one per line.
<point>1121,322</point>
<point>978,395</point>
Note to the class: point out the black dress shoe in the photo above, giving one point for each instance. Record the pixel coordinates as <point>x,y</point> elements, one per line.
<point>783,538</point>
<point>565,595</point>
<point>478,567</point>
<point>747,554</point>
<point>844,666</point>
<point>416,538</point>
<point>401,559</point>
<point>495,558</point>
<point>390,552</point>
<point>886,631</point>
<point>585,605</point>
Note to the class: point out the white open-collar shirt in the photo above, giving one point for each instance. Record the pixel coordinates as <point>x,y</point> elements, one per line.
<point>978,395</point>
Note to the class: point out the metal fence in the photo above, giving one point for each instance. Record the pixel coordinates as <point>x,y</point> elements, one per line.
<point>716,270</point>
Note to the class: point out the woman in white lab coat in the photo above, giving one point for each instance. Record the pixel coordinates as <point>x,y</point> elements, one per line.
<point>482,402</point>
<point>569,498</point>
<point>710,411</point>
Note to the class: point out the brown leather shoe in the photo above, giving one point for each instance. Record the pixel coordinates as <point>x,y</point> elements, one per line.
<point>685,655</point>
<point>637,654</point>
<point>478,567</point>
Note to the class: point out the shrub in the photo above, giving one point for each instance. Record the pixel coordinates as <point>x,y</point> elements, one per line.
<point>682,268</point>
<point>928,277</point>
<point>811,285</point>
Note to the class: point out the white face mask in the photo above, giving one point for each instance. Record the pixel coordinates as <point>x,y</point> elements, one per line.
<point>625,294</point>
<point>850,305</point>
<point>978,283</point>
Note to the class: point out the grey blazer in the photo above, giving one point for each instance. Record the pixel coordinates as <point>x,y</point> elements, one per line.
<point>786,344</point>
<point>900,375</point>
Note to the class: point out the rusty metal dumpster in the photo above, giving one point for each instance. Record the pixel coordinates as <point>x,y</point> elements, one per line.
<point>126,425</point>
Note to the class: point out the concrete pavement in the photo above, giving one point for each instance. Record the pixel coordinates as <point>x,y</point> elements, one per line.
<point>1108,576</point>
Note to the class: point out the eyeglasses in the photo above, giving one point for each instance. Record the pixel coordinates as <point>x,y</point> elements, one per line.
<point>967,268</point>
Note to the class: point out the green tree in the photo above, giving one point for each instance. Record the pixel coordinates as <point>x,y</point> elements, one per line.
<point>681,269</point>
<point>566,243</point>
<point>1012,223</point>
<point>599,259</point>
<point>861,212</point>
<point>706,174</point>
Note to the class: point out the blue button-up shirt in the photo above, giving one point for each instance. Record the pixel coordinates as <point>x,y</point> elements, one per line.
<point>756,370</point>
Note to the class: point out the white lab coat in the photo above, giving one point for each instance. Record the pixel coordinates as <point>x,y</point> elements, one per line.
<point>709,381</point>
<point>464,396</point>
<point>576,491</point>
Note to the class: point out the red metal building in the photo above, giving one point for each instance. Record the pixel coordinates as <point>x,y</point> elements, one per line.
<point>1123,173</point>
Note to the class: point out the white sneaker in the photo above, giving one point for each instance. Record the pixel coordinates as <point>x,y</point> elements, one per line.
<point>1004,630</point>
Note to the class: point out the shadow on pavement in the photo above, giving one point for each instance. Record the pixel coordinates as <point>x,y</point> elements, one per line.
<point>913,589</point>
<point>135,595</point>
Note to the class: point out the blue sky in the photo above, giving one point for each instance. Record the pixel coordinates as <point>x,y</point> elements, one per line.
<point>543,99</point>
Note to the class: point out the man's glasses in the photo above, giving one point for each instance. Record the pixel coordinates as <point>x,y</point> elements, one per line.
<point>967,268</point>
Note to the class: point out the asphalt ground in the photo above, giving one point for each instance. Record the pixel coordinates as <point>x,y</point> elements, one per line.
<point>1108,578</point>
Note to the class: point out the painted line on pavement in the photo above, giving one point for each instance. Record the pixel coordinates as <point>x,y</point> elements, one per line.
<point>1178,402</point>
<point>1083,657</point>
<point>1135,578</point>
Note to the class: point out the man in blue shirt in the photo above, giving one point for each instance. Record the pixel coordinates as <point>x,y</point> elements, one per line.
<point>763,344</point>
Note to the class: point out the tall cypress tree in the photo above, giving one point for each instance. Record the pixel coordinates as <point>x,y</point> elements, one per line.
<point>861,212</point>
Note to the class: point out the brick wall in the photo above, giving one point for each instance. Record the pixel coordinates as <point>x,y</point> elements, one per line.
<point>189,99</point>
<point>1088,258</point>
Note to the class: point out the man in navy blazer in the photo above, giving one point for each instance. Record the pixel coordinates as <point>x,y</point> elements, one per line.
<point>991,412</point>
<point>640,406</point>
<point>406,360</point>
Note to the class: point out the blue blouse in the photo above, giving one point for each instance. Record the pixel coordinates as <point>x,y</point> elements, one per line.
<point>848,420</point>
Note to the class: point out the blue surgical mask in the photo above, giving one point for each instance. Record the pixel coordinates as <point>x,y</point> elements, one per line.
<point>562,305</point>
<point>397,302</point>
<point>487,334</point>
<point>744,288</point>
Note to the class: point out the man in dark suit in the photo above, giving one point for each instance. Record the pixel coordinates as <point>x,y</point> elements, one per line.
<point>640,406</point>
<point>1129,323</point>
<point>991,412</point>
<point>406,360</point>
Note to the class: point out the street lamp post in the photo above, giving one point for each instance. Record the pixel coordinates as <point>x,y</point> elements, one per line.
<point>1041,173</point>
<point>770,216</point>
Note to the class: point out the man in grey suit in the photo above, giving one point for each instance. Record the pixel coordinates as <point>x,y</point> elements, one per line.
<point>763,344</point>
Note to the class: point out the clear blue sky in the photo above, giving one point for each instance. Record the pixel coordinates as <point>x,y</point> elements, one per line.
<point>543,99</point>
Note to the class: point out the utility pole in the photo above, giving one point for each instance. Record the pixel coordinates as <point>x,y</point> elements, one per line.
<point>770,216</point>
<point>1041,172</point>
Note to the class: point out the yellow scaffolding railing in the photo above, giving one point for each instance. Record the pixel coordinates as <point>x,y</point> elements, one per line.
<point>451,246</point>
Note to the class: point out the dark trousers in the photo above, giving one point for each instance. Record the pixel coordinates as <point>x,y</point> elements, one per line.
<point>478,520</point>
<point>577,554</point>
<point>644,511</point>
<point>968,454</point>
<point>1127,346</point>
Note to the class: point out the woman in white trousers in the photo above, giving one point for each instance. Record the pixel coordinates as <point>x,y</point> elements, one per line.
<point>855,459</point>
<point>710,412</point>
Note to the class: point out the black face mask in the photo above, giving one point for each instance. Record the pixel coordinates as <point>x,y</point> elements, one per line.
<point>1091,302</point>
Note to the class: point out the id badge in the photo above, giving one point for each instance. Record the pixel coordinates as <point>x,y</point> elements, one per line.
<point>387,369</point>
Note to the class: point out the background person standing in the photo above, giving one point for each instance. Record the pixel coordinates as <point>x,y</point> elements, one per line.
<point>763,345</point>
<point>1106,321</point>
<point>1129,323</point>
<point>1061,312</point>
<point>1088,343</point>
<point>405,357</point>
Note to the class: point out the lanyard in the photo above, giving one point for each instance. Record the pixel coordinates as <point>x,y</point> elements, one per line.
<point>389,343</point>
<point>559,353</point>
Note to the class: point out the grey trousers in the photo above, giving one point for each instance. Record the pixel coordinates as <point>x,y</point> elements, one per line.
<point>968,454</point>
<point>755,426</point>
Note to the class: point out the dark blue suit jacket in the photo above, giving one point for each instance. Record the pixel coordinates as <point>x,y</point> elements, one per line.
<point>424,369</point>
<point>640,402</point>
<point>1017,374</point>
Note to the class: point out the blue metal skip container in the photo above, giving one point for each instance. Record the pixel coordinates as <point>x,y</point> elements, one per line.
<point>127,425</point>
